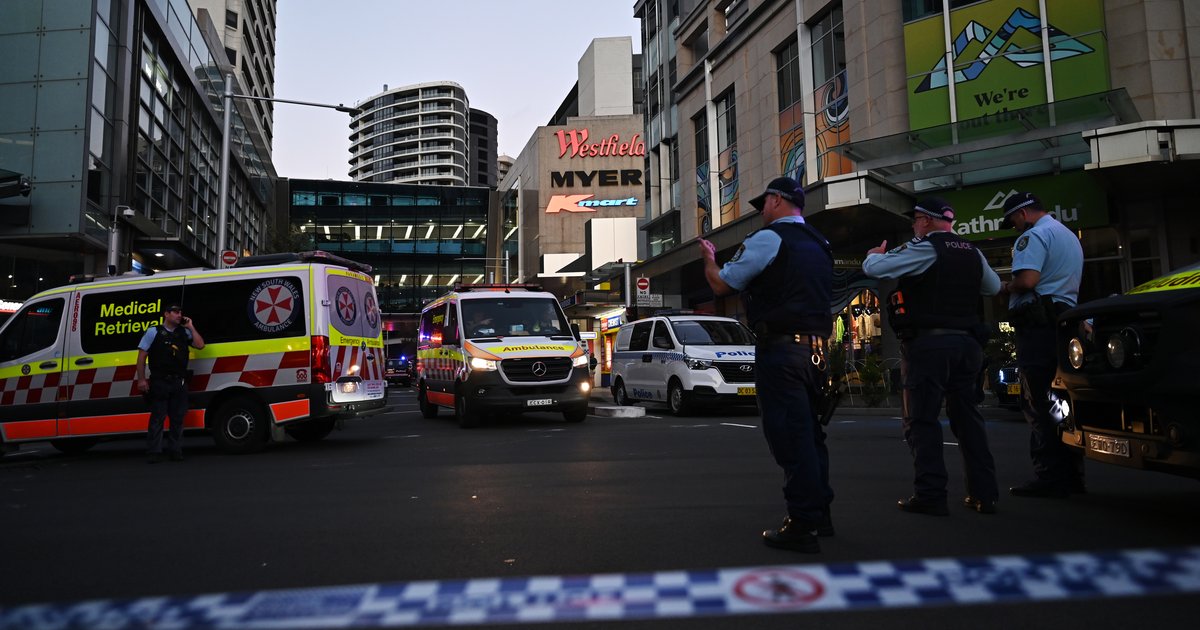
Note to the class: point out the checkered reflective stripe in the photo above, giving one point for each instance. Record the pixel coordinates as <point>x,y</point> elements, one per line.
<point>440,368</point>
<point>793,589</point>
<point>257,370</point>
<point>344,357</point>
<point>29,390</point>
<point>100,383</point>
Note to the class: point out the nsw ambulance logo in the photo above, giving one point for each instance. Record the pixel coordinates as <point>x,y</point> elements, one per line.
<point>346,307</point>
<point>273,305</point>
<point>371,311</point>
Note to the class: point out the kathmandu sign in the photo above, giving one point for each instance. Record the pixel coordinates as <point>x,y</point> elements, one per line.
<point>1074,198</point>
<point>575,142</point>
<point>584,203</point>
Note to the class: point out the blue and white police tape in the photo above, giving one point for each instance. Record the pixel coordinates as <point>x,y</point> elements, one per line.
<point>665,594</point>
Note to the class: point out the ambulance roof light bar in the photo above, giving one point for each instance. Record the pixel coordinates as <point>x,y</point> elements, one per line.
<point>304,257</point>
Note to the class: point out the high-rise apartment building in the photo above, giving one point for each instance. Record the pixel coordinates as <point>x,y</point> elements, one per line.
<point>482,158</point>
<point>247,31</point>
<point>420,134</point>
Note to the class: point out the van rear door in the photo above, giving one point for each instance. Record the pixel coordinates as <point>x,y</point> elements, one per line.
<point>355,336</point>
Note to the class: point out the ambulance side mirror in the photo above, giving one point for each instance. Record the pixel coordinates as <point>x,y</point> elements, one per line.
<point>575,331</point>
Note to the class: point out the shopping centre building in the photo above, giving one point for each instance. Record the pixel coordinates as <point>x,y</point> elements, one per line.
<point>873,105</point>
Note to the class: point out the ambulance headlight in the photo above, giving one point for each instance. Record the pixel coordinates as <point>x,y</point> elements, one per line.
<point>486,365</point>
<point>1075,353</point>
<point>580,361</point>
<point>699,364</point>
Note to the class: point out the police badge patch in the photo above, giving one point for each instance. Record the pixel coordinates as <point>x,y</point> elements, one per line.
<point>1022,243</point>
<point>738,254</point>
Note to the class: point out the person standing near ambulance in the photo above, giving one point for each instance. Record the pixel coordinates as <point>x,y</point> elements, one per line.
<point>165,347</point>
<point>785,274</point>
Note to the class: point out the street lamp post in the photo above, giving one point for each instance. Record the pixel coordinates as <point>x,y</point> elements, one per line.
<point>227,104</point>
<point>506,276</point>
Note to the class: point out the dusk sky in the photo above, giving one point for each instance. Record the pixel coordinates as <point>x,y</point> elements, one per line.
<point>516,59</point>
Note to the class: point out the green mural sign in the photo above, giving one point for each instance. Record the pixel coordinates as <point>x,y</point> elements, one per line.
<point>996,49</point>
<point>1073,198</point>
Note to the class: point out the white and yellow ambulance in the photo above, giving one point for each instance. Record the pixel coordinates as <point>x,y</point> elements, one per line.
<point>293,344</point>
<point>508,348</point>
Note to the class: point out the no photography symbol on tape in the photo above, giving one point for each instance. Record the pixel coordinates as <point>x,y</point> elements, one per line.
<point>778,588</point>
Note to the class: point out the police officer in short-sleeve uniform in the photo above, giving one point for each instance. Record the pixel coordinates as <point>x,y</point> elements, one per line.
<point>1047,269</point>
<point>785,274</point>
<point>935,312</point>
<point>165,348</point>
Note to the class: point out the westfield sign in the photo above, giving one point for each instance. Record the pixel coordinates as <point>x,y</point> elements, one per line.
<point>575,142</point>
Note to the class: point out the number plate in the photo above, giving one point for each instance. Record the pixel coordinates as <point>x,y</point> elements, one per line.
<point>1014,389</point>
<point>1108,446</point>
<point>539,402</point>
<point>745,391</point>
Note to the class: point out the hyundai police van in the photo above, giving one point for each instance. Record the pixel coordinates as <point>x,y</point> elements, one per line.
<point>508,348</point>
<point>685,361</point>
<point>293,345</point>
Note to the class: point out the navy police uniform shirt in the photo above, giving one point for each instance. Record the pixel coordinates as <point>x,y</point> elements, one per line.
<point>915,257</point>
<point>757,251</point>
<point>1053,250</point>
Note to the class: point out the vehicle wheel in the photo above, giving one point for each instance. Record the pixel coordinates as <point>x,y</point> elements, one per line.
<point>240,426</point>
<point>74,446</point>
<point>464,412</point>
<point>428,409</point>
<point>311,430</point>
<point>576,414</point>
<point>619,395</point>
<point>677,398</point>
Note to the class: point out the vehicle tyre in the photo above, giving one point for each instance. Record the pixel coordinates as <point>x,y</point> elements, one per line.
<point>677,399</point>
<point>74,446</point>
<point>619,395</point>
<point>311,430</point>
<point>428,409</point>
<point>464,411</point>
<point>240,426</point>
<point>576,414</point>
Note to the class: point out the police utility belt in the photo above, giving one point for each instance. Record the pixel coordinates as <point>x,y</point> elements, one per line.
<point>1042,312</point>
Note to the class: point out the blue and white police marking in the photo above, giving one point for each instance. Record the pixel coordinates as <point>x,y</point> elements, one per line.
<point>746,591</point>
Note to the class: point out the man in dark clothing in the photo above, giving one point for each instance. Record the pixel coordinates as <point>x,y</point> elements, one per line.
<point>935,313</point>
<point>785,274</point>
<point>166,348</point>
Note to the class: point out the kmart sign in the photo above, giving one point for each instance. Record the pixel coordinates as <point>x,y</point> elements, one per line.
<point>1073,198</point>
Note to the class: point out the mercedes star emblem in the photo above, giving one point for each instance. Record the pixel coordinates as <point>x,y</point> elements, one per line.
<point>539,368</point>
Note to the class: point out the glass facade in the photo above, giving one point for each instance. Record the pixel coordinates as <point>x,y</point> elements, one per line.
<point>421,240</point>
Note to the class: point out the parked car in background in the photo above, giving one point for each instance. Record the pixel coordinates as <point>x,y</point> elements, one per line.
<point>1128,375</point>
<point>1006,385</point>
<point>399,371</point>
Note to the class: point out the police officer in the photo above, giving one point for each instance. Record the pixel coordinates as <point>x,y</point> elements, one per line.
<point>935,312</point>
<point>166,348</point>
<point>1047,269</point>
<point>785,274</point>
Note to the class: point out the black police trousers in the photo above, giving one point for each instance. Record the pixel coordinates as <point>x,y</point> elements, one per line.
<point>785,380</point>
<point>941,368</point>
<point>1053,462</point>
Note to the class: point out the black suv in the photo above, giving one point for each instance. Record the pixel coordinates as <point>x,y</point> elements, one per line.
<point>1127,376</point>
<point>399,371</point>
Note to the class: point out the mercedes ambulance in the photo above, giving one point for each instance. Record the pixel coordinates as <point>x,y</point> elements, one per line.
<point>293,346</point>
<point>488,348</point>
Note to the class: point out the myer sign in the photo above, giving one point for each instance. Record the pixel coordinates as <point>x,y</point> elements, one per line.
<point>1073,198</point>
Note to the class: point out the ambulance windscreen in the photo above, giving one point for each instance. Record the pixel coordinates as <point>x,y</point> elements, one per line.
<point>513,317</point>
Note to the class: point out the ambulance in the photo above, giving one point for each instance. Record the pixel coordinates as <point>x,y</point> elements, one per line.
<point>293,346</point>
<point>487,348</point>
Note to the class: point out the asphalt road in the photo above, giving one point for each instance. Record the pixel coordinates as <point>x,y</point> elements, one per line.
<point>398,498</point>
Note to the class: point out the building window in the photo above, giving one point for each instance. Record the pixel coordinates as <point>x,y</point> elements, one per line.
<point>727,156</point>
<point>664,236</point>
<point>830,95</point>
<point>734,11</point>
<point>231,19</point>
<point>917,9</point>
<point>791,113</point>
<point>703,195</point>
<point>231,54</point>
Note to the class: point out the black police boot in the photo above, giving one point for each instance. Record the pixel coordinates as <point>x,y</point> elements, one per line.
<point>793,537</point>
<point>983,506</point>
<point>917,505</point>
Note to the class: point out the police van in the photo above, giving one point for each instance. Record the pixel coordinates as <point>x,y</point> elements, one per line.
<point>684,360</point>
<point>293,346</point>
<point>487,348</point>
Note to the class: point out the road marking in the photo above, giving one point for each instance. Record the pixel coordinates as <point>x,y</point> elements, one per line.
<point>399,437</point>
<point>853,586</point>
<point>949,443</point>
<point>734,424</point>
